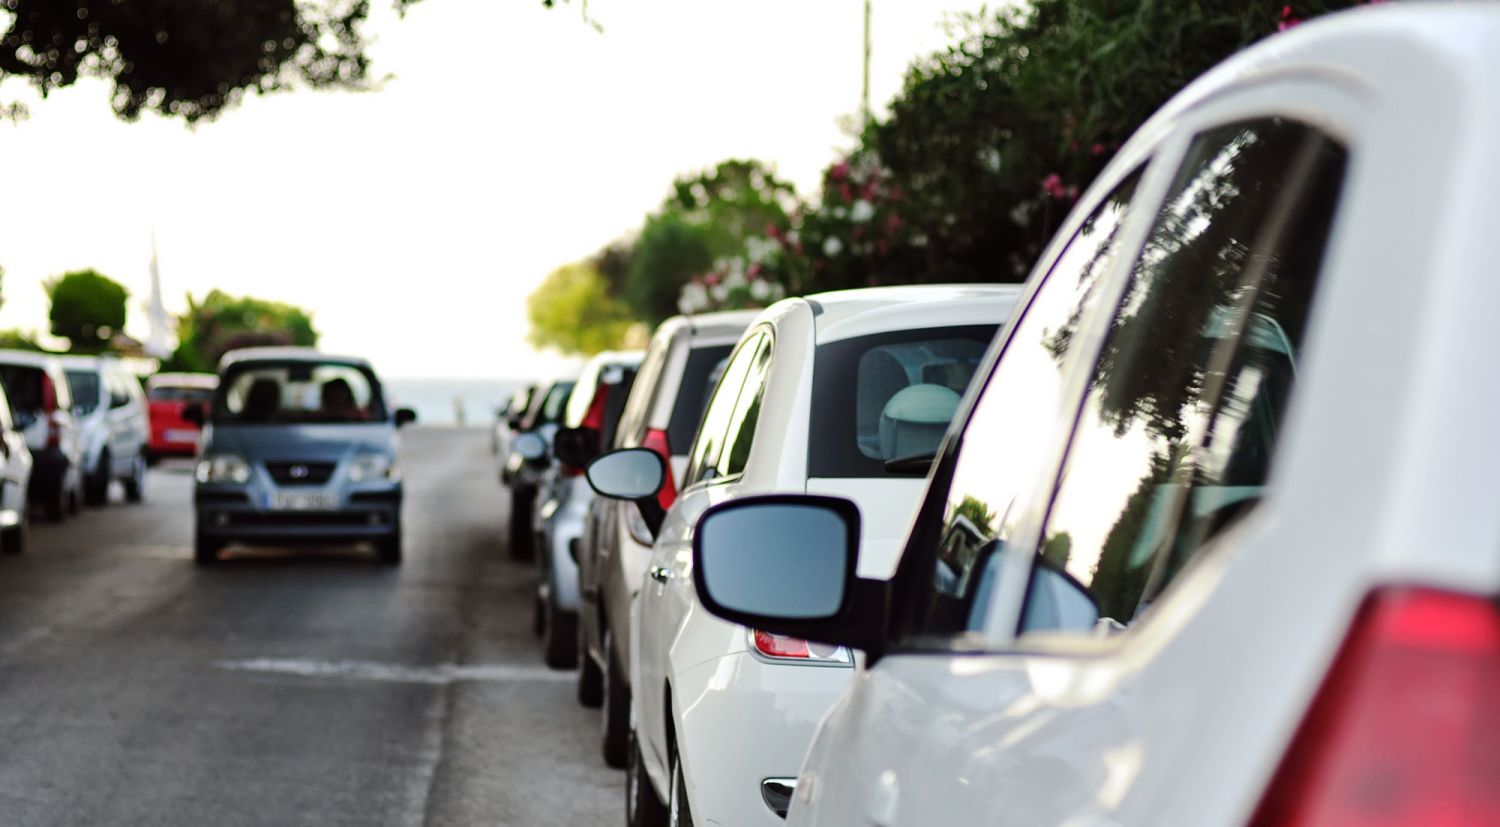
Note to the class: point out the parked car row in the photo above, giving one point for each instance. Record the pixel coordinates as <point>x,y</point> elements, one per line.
<point>1195,528</point>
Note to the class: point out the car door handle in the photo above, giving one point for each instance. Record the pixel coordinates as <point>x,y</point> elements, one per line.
<point>661,574</point>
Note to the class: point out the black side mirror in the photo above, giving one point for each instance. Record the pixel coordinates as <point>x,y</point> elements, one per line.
<point>575,447</point>
<point>193,413</point>
<point>405,416</point>
<point>786,564</point>
<point>634,474</point>
<point>514,421</point>
<point>530,447</point>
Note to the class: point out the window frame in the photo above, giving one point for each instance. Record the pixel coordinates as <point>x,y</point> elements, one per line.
<point>693,475</point>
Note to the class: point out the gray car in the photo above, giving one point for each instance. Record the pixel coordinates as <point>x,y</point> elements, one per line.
<point>298,447</point>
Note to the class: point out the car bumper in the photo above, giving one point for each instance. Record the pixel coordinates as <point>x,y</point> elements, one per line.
<point>241,513</point>
<point>768,712</point>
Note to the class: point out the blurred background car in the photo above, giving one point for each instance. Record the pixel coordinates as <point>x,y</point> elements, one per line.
<point>167,395</point>
<point>1247,577</point>
<point>508,419</point>
<point>15,483</point>
<point>522,473</point>
<point>847,392</point>
<point>589,423</point>
<point>42,409</point>
<point>113,426</point>
<point>662,413</point>
<point>303,449</point>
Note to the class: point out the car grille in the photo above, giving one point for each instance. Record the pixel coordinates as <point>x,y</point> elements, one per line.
<point>300,473</point>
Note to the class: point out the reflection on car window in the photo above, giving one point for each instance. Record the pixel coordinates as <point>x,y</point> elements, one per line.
<point>299,393</point>
<point>1003,444</point>
<point>1179,426</point>
<point>703,460</point>
<point>741,433</point>
<point>85,387</point>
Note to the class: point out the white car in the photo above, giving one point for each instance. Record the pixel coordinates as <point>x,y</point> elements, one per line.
<point>1217,542</point>
<point>41,408</point>
<point>846,393</point>
<point>113,426</point>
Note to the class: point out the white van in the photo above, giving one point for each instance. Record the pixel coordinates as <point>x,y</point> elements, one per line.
<point>113,426</point>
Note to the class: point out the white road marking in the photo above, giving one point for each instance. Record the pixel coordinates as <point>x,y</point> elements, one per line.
<point>363,670</point>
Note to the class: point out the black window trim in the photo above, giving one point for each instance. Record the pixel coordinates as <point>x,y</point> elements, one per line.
<point>768,329</point>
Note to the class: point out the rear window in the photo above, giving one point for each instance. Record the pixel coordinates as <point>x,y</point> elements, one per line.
<point>697,384</point>
<point>23,385</point>
<point>168,393</point>
<point>286,393</point>
<point>888,396</point>
<point>85,387</point>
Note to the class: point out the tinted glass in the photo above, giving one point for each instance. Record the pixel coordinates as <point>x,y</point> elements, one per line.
<point>704,457</point>
<point>1005,446</point>
<point>167,393</point>
<point>1180,422</point>
<point>783,560</point>
<point>741,433</point>
<point>888,396</point>
<point>24,387</point>
<point>85,387</point>
<point>692,394</point>
<point>298,392</point>
<point>555,403</point>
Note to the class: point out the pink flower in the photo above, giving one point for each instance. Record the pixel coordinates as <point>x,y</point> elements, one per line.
<point>839,171</point>
<point>893,224</point>
<point>1097,149</point>
<point>711,279</point>
<point>845,193</point>
<point>752,271</point>
<point>1288,20</point>
<point>1053,186</point>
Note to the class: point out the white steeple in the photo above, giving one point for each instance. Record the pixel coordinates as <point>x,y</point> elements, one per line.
<point>159,342</point>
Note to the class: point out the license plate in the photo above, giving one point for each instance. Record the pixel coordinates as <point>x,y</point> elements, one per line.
<point>181,436</point>
<point>302,501</point>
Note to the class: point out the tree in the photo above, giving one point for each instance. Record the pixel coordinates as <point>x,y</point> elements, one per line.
<point>221,322</point>
<point>670,251</point>
<point>573,312</point>
<point>189,58</point>
<point>88,309</point>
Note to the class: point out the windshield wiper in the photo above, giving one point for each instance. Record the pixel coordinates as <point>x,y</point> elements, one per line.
<point>915,464</point>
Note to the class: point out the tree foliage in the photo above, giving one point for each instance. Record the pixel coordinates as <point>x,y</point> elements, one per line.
<point>220,323</point>
<point>573,311</point>
<point>666,256</point>
<point>88,309</point>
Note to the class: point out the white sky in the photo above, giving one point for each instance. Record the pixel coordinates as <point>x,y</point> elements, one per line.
<point>415,220</point>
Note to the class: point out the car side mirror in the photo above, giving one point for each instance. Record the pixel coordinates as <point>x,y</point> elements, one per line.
<point>514,421</point>
<point>575,447</point>
<point>405,416</point>
<point>633,474</point>
<point>194,413</point>
<point>530,447</point>
<point>787,564</point>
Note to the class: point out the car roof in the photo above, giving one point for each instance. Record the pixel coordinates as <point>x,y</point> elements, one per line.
<point>287,354</point>
<point>615,357</point>
<point>844,314</point>
<point>183,380</point>
<point>28,357</point>
<point>726,325</point>
<point>78,361</point>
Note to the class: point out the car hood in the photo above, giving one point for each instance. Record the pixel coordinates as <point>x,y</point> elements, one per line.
<point>886,506</point>
<point>311,442</point>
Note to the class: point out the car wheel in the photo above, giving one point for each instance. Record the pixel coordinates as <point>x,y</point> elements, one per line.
<point>615,714</point>
<point>388,549</point>
<point>13,539</point>
<point>520,526</point>
<point>559,636</point>
<point>56,506</point>
<point>679,814</point>
<point>206,551</point>
<point>643,807</point>
<point>590,676</point>
<point>96,482</point>
<point>135,484</point>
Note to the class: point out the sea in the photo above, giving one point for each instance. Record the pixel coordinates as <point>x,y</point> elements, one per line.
<point>451,402</point>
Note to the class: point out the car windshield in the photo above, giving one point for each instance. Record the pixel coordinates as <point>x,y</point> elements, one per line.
<point>298,392</point>
<point>85,387</point>
<point>889,396</point>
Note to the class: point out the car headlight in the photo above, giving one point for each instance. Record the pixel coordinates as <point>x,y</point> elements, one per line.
<point>223,468</point>
<point>366,467</point>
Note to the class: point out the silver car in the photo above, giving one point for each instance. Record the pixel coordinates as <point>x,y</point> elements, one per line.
<point>113,426</point>
<point>298,447</point>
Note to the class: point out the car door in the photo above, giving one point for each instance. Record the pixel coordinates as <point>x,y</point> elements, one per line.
<point>1045,721</point>
<point>122,421</point>
<point>661,601</point>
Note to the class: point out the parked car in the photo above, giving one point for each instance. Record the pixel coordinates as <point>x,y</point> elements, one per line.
<point>301,448</point>
<point>591,416</point>
<point>15,482</point>
<point>113,426</point>
<point>848,393</point>
<point>41,408</point>
<point>523,470</point>
<point>662,413</point>
<point>167,395</point>
<point>507,419</point>
<point>1215,544</point>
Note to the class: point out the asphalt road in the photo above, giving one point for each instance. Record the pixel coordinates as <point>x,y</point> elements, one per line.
<point>286,688</point>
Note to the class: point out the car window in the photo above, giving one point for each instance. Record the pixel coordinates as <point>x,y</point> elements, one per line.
<point>1003,446</point>
<point>1179,425</point>
<point>175,393</point>
<point>643,391</point>
<point>84,385</point>
<point>741,434</point>
<point>698,376</point>
<point>888,396</point>
<point>298,392</point>
<point>120,395</point>
<point>703,460</point>
<point>23,385</point>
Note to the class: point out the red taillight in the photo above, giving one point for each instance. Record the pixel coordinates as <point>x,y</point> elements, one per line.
<point>49,412</point>
<point>793,648</point>
<point>593,419</point>
<point>1405,730</point>
<point>656,440</point>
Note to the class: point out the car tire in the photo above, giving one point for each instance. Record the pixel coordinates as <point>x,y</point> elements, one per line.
<point>590,676</point>
<point>388,549</point>
<point>614,713</point>
<point>56,506</point>
<point>13,539</point>
<point>96,482</point>
<point>206,551</point>
<point>520,526</point>
<point>679,813</point>
<point>559,636</point>
<point>643,808</point>
<point>135,484</point>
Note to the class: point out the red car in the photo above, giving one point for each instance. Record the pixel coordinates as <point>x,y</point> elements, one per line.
<point>169,394</point>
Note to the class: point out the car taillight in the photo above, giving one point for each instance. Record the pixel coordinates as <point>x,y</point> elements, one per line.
<point>782,647</point>
<point>50,412</point>
<point>1405,730</point>
<point>593,419</point>
<point>656,440</point>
